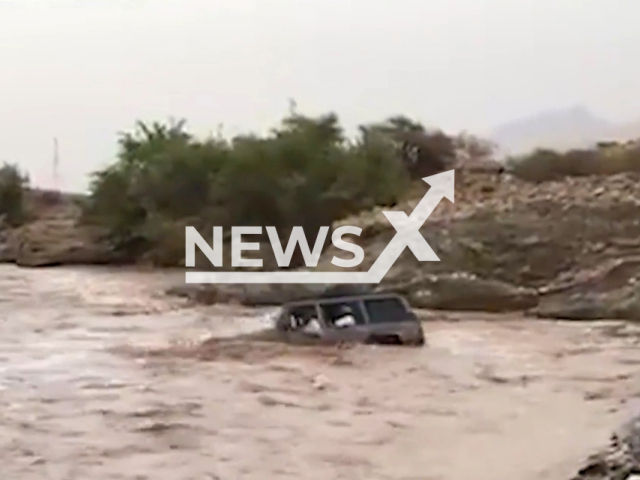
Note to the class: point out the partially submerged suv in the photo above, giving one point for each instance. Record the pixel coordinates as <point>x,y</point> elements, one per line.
<point>365,318</point>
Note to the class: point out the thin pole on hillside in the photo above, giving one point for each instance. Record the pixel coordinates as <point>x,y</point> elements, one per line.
<point>293,108</point>
<point>56,162</point>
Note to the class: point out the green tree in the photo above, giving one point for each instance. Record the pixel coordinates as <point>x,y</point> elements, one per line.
<point>303,173</point>
<point>13,184</point>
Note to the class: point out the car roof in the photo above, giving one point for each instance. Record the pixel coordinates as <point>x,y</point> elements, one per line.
<point>343,298</point>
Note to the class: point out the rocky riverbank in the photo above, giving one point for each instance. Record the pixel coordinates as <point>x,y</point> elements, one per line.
<point>566,249</point>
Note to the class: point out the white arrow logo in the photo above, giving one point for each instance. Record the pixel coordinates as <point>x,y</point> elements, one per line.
<point>407,235</point>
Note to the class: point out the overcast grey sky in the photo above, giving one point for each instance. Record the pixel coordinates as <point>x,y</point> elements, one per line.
<point>83,70</point>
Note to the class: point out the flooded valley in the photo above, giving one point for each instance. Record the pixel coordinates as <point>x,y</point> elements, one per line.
<point>102,376</point>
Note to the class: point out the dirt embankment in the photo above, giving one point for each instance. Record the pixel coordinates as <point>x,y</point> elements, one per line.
<point>563,249</point>
<point>53,234</point>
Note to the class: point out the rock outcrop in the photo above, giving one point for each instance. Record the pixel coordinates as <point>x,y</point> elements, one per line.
<point>53,236</point>
<point>508,245</point>
<point>520,233</point>
<point>504,245</point>
<point>49,243</point>
<point>611,291</point>
<point>463,292</point>
<point>620,460</point>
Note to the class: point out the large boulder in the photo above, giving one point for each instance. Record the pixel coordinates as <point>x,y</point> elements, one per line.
<point>53,235</point>
<point>463,292</point>
<point>56,242</point>
<point>611,291</point>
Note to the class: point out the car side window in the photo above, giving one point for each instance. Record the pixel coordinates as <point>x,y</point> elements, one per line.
<point>342,314</point>
<point>384,310</point>
<point>300,317</point>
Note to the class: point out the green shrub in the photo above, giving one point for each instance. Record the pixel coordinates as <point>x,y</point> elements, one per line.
<point>13,184</point>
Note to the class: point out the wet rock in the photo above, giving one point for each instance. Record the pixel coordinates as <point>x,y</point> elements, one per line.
<point>584,307</point>
<point>620,460</point>
<point>611,291</point>
<point>464,292</point>
<point>619,304</point>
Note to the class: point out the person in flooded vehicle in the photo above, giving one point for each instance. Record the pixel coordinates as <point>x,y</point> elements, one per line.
<point>345,317</point>
<point>303,319</point>
<point>312,326</point>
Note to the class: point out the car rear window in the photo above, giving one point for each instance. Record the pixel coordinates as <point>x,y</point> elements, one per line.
<point>391,309</point>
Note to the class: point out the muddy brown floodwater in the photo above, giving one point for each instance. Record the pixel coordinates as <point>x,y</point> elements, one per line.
<point>101,377</point>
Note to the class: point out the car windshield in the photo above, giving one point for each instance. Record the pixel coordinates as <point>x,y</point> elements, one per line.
<point>389,309</point>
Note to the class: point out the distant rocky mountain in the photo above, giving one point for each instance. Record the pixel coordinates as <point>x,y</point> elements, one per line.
<point>563,129</point>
